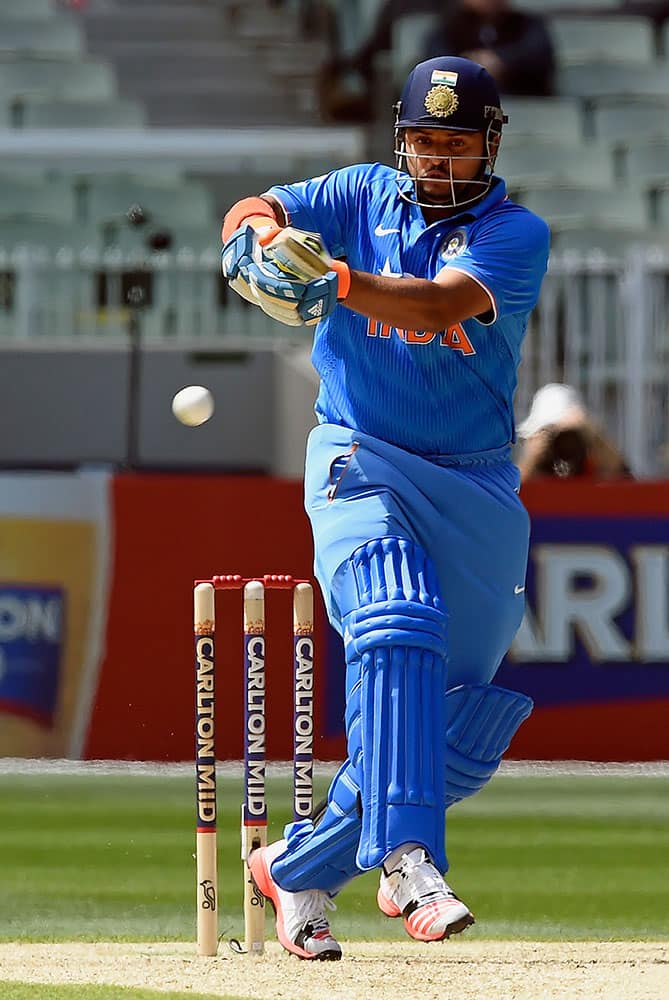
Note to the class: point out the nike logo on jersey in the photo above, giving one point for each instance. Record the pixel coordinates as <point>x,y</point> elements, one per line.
<point>518,590</point>
<point>380,231</point>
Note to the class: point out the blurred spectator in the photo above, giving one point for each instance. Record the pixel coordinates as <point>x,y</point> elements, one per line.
<point>561,439</point>
<point>347,81</point>
<point>311,17</point>
<point>513,45</point>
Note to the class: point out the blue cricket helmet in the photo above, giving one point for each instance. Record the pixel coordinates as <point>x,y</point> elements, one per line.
<point>449,92</point>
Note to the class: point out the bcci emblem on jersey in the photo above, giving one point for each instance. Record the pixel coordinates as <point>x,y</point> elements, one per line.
<point>454,244</point>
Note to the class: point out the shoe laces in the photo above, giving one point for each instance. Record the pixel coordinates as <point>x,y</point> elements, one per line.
<point>311,910</point>
<point>421,879</point>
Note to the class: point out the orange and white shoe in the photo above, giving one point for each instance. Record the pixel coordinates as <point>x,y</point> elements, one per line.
<point>416,891</point>
<point>301,925</point>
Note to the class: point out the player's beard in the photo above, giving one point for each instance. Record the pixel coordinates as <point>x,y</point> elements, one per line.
<point>445,192</point>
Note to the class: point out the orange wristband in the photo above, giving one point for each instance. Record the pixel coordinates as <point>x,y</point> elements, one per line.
<point>343,272</point>
<point>243,210</point>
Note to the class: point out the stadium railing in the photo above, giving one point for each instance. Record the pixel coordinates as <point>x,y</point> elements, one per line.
<point>600,325</point>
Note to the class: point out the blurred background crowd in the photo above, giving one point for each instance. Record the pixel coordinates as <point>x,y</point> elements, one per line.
<point>129,126</point>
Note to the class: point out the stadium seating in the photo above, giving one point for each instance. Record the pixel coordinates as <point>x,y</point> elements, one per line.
<point>662,204</point>
<point>646,162</point>
<point>354,20</point>
<point>191,68</point>
<point>115,113</point>
<point>572,206</point>
<point>612,241</point>
<point>176,22</point>
<point>69,79</point>
<point>622,122</point>
<point>544,118</point>
<point>30,8</point>
<point>408,38</point>
<point>592,79</point>
<point>206,104</point>
<point>553,162</point>
<point>584,39</point>
<point>57,36</point>
<point>152,67</point>
<point>190,65</point>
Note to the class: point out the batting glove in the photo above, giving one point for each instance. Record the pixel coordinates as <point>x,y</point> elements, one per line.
<point>293,302</point>
<point>239,251</point>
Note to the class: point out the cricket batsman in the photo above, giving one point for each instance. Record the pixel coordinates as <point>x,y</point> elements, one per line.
<point>419,281</point>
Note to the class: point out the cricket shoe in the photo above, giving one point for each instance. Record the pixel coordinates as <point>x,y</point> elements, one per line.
<point>416,891</point>
<point>301,925</point>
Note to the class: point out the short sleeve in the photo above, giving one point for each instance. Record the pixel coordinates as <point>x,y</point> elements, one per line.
<point>508,256</point>
<point>322,205</point>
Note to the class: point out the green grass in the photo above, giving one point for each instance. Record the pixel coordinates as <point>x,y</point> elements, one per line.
<point>38,991</point>
<point>107,857</point>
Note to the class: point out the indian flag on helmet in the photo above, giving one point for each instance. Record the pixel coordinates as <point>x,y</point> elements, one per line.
<point>444,77</point>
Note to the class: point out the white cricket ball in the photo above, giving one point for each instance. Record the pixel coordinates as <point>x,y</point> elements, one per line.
<point>193,405</point>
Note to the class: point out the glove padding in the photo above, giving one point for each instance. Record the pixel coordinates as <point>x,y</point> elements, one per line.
<point>289,300</point>
<point>241,250</point>
<point>284,271</point>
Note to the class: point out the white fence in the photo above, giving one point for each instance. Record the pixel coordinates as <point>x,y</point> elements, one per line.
<point>602,325</point>
<point>91,296</point>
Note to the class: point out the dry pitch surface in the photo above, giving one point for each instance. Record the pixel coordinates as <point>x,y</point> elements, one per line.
<point>477,970</point>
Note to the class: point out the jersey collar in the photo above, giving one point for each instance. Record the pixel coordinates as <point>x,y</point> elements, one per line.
<point>495,195</point>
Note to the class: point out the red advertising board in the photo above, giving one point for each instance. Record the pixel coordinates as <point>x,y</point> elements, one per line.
<point>169,531</point>
<point>597,625</point>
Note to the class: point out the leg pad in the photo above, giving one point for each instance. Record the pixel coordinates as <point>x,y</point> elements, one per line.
<point>322,856</point>
<point>395,644</point>
<point>482,719</point>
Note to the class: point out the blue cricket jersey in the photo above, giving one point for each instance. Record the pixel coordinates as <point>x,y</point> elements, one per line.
<point>446,392</point>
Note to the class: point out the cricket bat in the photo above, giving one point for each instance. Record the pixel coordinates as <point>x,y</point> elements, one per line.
<point>299,254</point>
